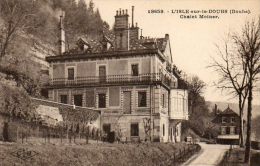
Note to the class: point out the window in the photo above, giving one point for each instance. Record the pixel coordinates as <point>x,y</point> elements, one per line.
<point>228,130</point>
<point>134,129</point>
<point>64,99</point>
<point>106,128</point>
<point>163,100</point>
<point>232,130</point>
<point>223,130</point>
<point>142,99</point>
<point>224,119</point>
<point>70,73</point>
<point>78,100</point>
<point>102,100</point>
<point>232,120</point>
<point>163,130</point>
<point>134,70</point>
<point>102,73</point>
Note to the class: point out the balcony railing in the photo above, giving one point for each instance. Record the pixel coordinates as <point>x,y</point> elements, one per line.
<point>112,79</point>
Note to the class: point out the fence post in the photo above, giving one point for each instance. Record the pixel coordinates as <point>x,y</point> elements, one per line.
<point>184,153</point>
<point>61,134</point>
<point>17,134</point>
<point>180,155</point>
<point>26,133</point>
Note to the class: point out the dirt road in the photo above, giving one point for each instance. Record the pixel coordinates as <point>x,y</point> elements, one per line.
<point>210,155</point>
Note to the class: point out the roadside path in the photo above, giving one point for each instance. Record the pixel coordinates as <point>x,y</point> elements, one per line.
<point>210,155</point>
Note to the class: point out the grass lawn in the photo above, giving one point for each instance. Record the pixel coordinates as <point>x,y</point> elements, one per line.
<point>90,154</point>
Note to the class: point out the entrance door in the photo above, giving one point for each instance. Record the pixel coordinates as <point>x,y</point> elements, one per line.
<point>106,128</point>
<point>127,102</point>
<point>102,73</point>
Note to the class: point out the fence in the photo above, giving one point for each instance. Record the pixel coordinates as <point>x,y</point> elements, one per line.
<point>182,155</point>
<point>24,132</point>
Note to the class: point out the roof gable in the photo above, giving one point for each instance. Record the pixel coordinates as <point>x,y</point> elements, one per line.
<point>228,111</point>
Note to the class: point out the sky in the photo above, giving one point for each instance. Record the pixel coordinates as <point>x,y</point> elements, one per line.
<point>192,40</point>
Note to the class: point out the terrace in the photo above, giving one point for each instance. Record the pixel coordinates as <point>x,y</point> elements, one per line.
<point>151,78</point>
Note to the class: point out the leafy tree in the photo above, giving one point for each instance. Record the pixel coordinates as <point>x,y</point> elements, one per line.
<point>199,113</point>
<point>91,7</point>
<point>195,89</point>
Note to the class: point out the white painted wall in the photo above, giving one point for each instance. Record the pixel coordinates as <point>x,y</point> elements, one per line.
<point>179,104</point>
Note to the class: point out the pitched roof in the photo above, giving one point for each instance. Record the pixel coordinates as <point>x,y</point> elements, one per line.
<point>228,111</point>
<point>96,46</point>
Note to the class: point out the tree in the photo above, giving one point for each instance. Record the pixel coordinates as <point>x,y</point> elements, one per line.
<point>20,68</point>
<point>195,89</point>
<point>232,71</point>
<point>198,110</point>
<point>248,44</point>
<point>91,7</point>
<point>16,15</point>
<point>240,71</point>
<point>15,61</point>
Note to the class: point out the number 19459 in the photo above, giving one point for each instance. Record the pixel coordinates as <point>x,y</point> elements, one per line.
<point>155,11</point>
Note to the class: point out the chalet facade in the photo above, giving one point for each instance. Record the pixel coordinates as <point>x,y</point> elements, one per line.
<point>228,122</point>
<point>128,77</point>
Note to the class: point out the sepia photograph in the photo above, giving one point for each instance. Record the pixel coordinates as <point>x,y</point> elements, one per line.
<point>129,83</point>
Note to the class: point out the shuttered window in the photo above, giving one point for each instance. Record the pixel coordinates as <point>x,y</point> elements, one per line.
<point>142,99</point>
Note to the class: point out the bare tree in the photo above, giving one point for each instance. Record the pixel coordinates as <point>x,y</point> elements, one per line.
<point>240,69</point>
<point>16,16</point>
<point>232,70</point>
<point>248,44</point>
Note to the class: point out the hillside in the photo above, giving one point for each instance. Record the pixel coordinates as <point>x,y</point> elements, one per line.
<point>29,31</point>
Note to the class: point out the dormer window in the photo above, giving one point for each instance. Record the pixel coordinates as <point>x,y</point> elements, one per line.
<point>106,43</point>
<point>83,45</point>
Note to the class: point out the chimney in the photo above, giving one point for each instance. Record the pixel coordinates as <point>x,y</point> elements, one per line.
<point>121,30</point>
<point>62,36</point>
<point>141,36</point>
<point>216,110</point>
<point>167,36</point>
<point>133,30</point>
<point>133,16</point>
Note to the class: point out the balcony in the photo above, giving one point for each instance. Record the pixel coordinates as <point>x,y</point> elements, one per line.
<point>152,78</point>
